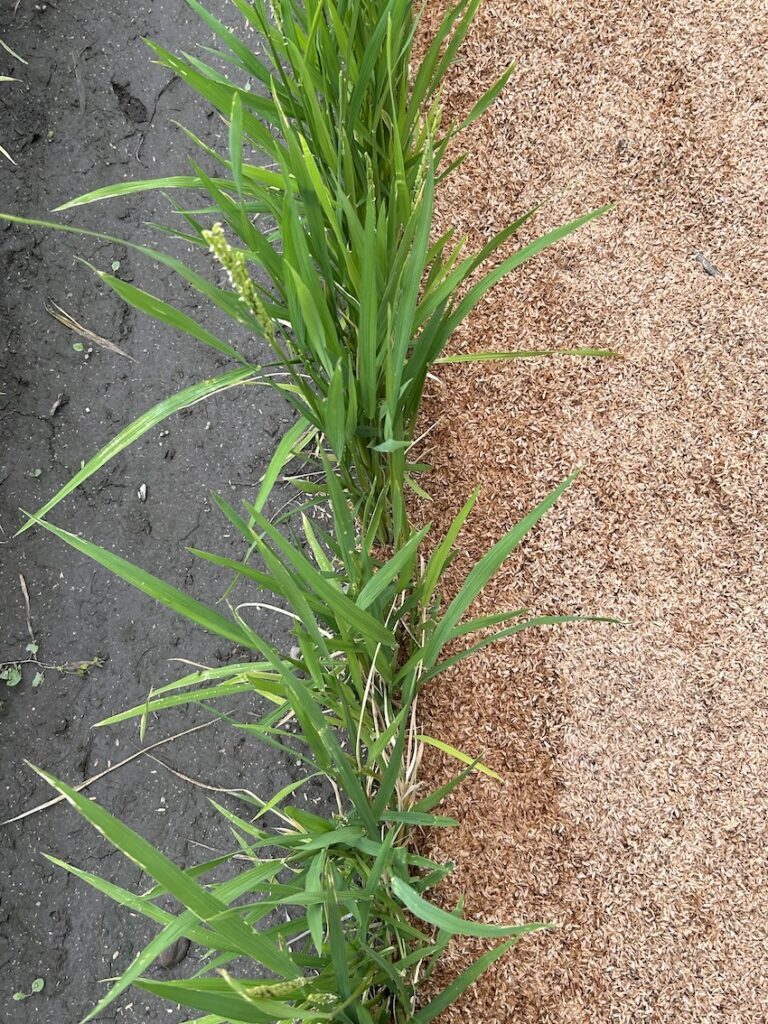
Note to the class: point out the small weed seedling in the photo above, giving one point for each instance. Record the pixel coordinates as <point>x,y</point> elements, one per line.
<point>35,988</point>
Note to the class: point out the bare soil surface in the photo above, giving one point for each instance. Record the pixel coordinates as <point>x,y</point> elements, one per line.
<point>91,109</point>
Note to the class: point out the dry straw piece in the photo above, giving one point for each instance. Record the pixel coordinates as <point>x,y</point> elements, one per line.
<point>636,760</point>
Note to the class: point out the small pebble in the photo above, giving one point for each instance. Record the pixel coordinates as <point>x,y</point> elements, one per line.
<point>709,267</point>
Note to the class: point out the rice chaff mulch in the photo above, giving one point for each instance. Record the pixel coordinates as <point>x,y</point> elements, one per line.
<point>635,760</point>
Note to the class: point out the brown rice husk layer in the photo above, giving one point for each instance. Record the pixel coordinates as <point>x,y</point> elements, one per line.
<point>635,759</point>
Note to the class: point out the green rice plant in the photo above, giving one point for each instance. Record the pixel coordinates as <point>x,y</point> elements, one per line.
<point>322,214</point>
<point>369,633</point>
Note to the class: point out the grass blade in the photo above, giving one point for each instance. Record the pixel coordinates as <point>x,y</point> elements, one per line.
<point>459,985</point>
<point>155,588</point>
<point>479,576</point>
<point>179,884</point>
<point>459,755</point>
<point>158,413</point>
<point>452,923</point>
<point>168,314</point>
<point>480,357</point>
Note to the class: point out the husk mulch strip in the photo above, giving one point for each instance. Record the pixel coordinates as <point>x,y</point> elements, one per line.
<point>635,760</point>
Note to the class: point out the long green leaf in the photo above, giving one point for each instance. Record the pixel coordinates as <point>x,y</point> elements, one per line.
<point>174,927</point>
<point>458,754</point>
<point>155,588</point>
<point>158,413</point>
<point>459,985</point>
<point>480,357</point>
<point>233,1007</point>
<point>127,188</point>
<point>534,623</point>
<point>481,573</point>
<point>476,293</point>
<point>391,570</point>
<point>451,923</point>
<point>179,884</point>
<point>168,314</point>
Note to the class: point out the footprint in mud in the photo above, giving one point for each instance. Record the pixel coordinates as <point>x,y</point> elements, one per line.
<point>130,105</point>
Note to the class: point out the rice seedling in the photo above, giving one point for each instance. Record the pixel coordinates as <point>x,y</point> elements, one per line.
<point>320,215</point>
<point>323,209</point>
<point>369,633</point>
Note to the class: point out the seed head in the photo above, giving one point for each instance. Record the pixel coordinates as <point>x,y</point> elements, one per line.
<point>233,262</point>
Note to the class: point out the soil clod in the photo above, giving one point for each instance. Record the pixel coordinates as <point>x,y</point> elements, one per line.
<point>130,105</point>
<point>173,955</point>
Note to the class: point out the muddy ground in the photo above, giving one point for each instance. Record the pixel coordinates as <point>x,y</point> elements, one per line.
<point>92,109</point>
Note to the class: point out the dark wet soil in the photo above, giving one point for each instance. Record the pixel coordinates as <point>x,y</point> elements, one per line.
<point>92,109</point>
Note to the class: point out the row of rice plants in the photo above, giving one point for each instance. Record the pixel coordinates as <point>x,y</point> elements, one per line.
<point>321,214</point>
